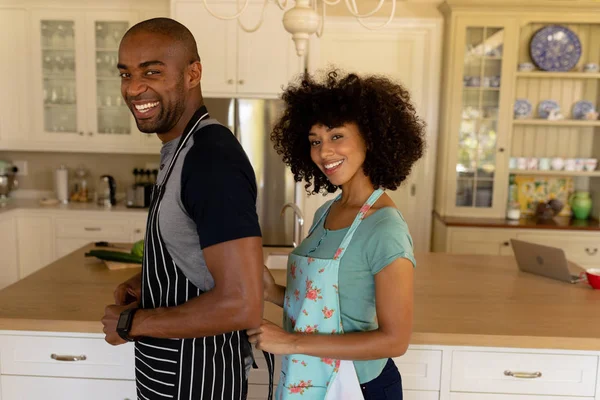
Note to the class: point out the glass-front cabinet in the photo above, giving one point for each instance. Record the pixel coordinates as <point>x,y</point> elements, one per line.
<point>78,94</point>
<point>479,120</point>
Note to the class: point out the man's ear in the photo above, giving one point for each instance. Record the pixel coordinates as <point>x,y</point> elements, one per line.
<point>194,74</point>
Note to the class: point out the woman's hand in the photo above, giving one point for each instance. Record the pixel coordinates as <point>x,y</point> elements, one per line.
<point>271,338</point>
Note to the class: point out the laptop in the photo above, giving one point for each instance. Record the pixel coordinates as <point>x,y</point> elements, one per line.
<point>547,261</point>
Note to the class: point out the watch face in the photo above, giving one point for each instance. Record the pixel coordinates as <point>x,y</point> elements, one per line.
<point>123,319</point>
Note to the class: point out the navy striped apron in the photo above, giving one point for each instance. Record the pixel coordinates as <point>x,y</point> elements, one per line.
<point>200,368</point>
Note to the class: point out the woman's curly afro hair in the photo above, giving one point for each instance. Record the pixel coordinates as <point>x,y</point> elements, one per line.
<point>381,108</point>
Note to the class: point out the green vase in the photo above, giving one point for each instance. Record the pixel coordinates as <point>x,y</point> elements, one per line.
<point>581,204</point>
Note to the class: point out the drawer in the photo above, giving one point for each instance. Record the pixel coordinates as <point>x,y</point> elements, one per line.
<point>117,230</point>
<point>481,241</point>
<point>489,372</point>
<point>37,388</point>
<point>33,356</point>
<point>420,369</point>
<point>581,249</point>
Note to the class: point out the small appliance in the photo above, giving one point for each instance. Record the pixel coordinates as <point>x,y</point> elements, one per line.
<point>8,182</point>
<point>107,189</point>
<point>139,194</point>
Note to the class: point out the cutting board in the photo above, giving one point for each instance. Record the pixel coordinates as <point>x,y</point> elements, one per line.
<point>114,265</point>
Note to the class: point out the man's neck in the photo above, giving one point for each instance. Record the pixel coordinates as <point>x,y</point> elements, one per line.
<point>179,128</point>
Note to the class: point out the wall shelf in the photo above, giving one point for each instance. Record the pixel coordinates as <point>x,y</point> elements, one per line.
<point>563,122</point>
<point>558,75</point>
<point>555,173</point>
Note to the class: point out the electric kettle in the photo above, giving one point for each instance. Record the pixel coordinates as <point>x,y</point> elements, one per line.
<point>106,191</point>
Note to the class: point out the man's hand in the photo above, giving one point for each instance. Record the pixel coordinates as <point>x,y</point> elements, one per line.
<point>129,291</point>
<point>110,319</point>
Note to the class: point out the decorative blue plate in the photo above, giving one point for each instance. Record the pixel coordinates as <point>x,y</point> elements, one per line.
<point>546,106</point>
<point>581,108</point>
<point>522,108</point>
<point>555,48</point>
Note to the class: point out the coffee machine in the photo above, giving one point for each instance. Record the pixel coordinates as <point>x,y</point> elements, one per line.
<point>139,194</point>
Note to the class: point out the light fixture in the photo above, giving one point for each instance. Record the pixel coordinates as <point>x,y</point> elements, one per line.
<point>303,19</point>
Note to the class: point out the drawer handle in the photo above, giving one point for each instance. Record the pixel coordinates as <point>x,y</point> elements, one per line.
<point>92,229</point>
<point>591,252</point>
<point>58,357</point>
<point>506,244</point>
<point>523,375</point>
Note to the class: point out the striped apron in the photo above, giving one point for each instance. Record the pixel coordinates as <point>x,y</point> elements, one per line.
<point>200,368</point>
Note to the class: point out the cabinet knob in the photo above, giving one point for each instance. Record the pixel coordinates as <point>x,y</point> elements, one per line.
<point>241,81</point>
<point>137,231</point>
<point>90,133</point>
<point>506,244</point>
<point>230,81</point>
<point>501,150</point>
<point>81,133</point>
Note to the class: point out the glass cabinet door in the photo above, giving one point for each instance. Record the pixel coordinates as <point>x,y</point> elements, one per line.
<point>58,72</point>
<point>478,131</point>
<point>112,115</point>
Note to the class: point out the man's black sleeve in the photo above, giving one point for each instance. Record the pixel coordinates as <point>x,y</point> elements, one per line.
<point>218,187</point>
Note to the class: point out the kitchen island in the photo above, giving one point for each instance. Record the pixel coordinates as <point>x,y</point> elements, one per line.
<point>470,312</point>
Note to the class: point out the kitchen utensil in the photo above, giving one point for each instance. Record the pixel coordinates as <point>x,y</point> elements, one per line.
<point>107,244</point>
<point>106,192</point>
<point>593,277</point>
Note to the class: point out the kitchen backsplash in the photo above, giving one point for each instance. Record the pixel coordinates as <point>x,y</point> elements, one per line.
<point>41,167</point>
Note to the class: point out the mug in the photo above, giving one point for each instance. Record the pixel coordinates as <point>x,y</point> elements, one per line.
<point>557,163</point>
<point>590,164</point>
<point>570,164</point>
<point>544,164</point>
<point>513,163</point>
<point>532,163</point>
<point>522,163</point>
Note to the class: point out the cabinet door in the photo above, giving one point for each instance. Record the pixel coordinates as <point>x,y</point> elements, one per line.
<point>9,271</point>
<point>30,387</point>
<point>14,75</point>
<point>267,58</point>
<point>110,122</point>
<point>36,243</point>
<point>59,71</point>
<point>481,241</point>
<point>216,40</point>
<point>481,115</point>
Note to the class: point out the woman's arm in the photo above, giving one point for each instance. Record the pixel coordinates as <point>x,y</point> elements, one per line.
<point>394,302</point>
<point>274,293</point>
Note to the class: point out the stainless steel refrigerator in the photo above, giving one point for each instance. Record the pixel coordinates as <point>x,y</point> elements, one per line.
<point>251,121</point>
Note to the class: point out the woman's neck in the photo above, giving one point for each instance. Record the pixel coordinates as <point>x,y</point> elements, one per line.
<point>356,191</point>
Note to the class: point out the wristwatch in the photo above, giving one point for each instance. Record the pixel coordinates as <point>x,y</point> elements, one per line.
<point>124,324</point>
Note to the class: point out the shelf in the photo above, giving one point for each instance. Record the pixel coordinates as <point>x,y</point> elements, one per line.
<point>563,122</point>
<point>559,75</point>
<point>554,173</point>
<point>58,49</point>
<point>482,88</point>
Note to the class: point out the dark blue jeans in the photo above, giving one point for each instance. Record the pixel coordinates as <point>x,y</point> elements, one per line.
<point>387,386</point>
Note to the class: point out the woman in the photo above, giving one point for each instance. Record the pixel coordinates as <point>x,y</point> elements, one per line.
<point>351,279</point>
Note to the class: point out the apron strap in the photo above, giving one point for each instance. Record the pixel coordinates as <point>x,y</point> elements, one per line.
<point>270,358</point>
<point>324,215</point>
<point>357,220</point>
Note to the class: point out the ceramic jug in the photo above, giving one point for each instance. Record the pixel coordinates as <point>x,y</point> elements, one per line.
<point>581,204</point>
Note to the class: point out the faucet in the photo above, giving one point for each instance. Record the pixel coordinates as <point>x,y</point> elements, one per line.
<point>298,225</point>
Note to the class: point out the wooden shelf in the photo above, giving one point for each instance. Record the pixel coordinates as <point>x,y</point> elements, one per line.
<point>559,75</point>
<point>554,173</point>
<point>563,122</point>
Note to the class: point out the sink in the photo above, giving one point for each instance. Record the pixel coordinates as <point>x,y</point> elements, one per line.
<point>277,261</point>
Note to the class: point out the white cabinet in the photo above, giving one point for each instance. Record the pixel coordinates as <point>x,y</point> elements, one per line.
<point>77,87</point>
<point>475,241</point>
<point>234,62</point>
<point>32,387</point>
<point>13,75</point>
<point>581,248</point>
<point>35,235</point>
<point>9,267</point>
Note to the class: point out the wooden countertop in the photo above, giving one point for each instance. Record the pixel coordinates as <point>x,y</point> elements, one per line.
<point>459,300</point>
<point>563,223</point>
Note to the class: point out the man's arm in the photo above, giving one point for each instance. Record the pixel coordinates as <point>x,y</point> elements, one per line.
<point>235,303</point>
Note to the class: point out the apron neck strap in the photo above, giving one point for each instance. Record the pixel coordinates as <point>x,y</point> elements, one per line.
<point>198,116</point>
<point>357,220</point>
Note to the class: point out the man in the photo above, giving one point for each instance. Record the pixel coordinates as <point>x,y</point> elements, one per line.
<point>201,282</point>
